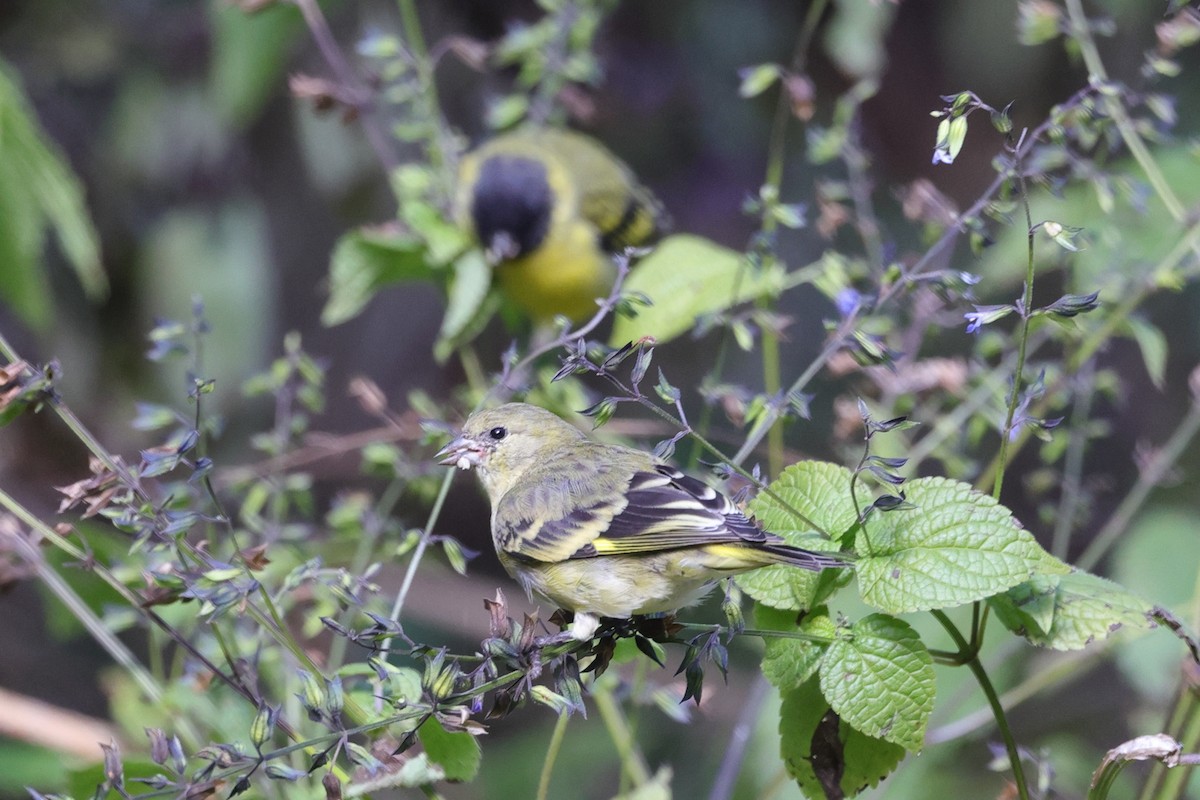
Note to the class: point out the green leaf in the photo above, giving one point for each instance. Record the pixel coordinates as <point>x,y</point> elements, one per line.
<point>1069,612</point>
<point>955,547</point>
<point>686,277</point>
<point>38,190</point>
<point>457,753</point>
<point>363,262</point>
<point>879,678</point>
<point>249,56</point>
<point>811,737</point>
<point>787,663</point>
<point>819,491</point>
<point>1158,552</point>
<point>467,306</point>
<point>1153,344</point>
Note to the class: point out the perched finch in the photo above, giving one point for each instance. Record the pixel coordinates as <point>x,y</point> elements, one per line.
<point>604,530</point>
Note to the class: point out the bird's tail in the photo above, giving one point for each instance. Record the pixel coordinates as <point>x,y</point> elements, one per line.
<point>805,559</point>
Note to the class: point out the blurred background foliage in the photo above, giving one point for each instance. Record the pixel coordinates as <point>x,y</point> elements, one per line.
<point>150,153</point>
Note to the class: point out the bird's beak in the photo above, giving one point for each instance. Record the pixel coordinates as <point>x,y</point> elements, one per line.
<point>463,453</point>
<point>501,248</point>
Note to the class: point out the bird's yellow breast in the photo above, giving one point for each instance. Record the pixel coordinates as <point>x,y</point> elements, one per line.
<point>565,275</point>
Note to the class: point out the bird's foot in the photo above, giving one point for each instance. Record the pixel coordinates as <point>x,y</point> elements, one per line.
<point>585,626</point>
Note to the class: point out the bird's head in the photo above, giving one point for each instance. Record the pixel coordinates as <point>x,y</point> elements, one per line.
<point>500,444</point>
<point>511,206</point>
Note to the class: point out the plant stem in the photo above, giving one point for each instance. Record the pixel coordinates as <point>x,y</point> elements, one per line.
<point>1164,783</point>
<point>99,631</point>
<point>1072,480</point>
<point>1148,478</point>
<point>772,187</point>
<point>345,75</point>
<point>373,529</point>
<point>989,691</point>
<point>556,740</point>
<point>735,751</point>
<point>633,765</point>
<point>422,544</point>
<point>1023,342</point>
<point>1133,297</point>
<point>1082,34</point>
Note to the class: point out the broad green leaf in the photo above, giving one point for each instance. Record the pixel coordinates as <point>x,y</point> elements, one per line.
<point>363,262</point>
<point>657,788</point>
<point>1069,612</point>
<point>820,492</point>
<point>686,277</point>
<point>956,546</point>
<point>812,738</point>
<point>467,306</point>
<point>787,663</point>
<point>878,677</point>
<point>38,191</point>
<point>457,753</point>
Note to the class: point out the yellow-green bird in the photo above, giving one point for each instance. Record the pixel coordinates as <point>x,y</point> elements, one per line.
<point>604,530</point>
<point>549,207</point>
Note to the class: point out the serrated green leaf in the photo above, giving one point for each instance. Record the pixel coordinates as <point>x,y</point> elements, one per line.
<point>1069,612</point>
<point>686,277</point>
<point>818,490</point>
<point>363,262</point>
<point>457,753</point>
<point>956,546</point>
<point>804,725</point>
<point>787,663</point>
<point>879,678</point>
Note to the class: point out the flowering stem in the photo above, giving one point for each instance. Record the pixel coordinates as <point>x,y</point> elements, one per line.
<point>1023,341</point>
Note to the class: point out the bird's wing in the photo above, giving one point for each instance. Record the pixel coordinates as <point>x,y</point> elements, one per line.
<point>658,509</point>
<point>610,196</point>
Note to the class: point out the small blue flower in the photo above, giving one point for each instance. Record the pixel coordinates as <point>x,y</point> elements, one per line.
<point>848,301</point>
<point>982,315</point>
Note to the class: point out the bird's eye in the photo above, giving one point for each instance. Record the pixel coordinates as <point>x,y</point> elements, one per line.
<point>498,433</point>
